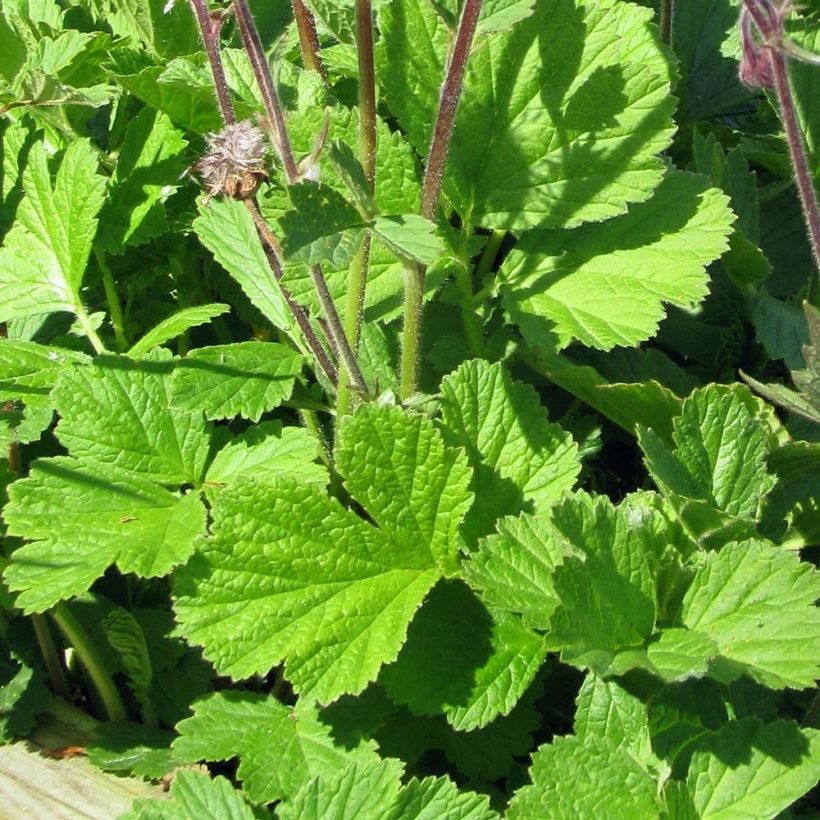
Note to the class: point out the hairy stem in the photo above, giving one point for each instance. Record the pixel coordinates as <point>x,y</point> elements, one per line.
<point>768,18</point>
<point>267,88</point>
<point>431,189</point>
<point>272,251</point>
<point>276,115</point>
<point>209,28</point>
<point>92,660</point>
<point>802,174</point>
<point>666,22</point>
<point>308,39</point>
<point>354,308</point>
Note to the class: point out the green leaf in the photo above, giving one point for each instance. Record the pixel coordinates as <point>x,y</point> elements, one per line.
<point>460,659</point>
<point>279,748</point>
<point>265,451</point>
<point>226,228</point>
<point>359,790</point>
<point>648,403</point>
<point>781,329</point>
<point>23,695</point>
<point>194,794</point>
<point>375,790</point>
<point>499,15</point>
<point>240,379</point>
<point>680,653</point>
<point>133,748</point>
<point>189,105</point>
<point>409,236</point>
<point>561,117</point>
<point>608,597</point>
<point>29,371</point>
<point>175,325</point>
<point>575,777</point>
<point>606,285</point>
<point>607,711</point>
<point>756,603</point>
<point>707,44</point>
<point>408,480</point>
<point>520,460</point>
<point>44,256</point>
<point>436,797</point>
<point>84,516</point>
<point>754,770</point>
<point>288,574</point>
<point>117,412</point>
<point>150,163</point>
<point>323,225</point>
<point>163,30</point>
<point>125,636</point>
<point>722,438</point>
<point>513,570</point>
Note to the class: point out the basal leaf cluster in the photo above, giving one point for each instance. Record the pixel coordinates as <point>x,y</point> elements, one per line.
<point>453,456</point>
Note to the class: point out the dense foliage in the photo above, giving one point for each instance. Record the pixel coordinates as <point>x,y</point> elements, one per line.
<point>524,527</point>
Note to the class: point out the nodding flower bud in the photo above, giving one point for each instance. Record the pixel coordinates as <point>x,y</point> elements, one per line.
<point>235,162</point>
<point>756,64</point>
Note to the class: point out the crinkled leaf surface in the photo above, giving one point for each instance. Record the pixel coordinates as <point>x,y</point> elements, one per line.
<point>410,482</point>
<point>279,749</point>
<point>756,603</point>
<point>561,117</point>
<point>721,441</point>
<point>754,770</point>
<point>84,516</point>
<point>267,450</point>
<point>608,597</point>
<point>44,256</point>
<point>409,236</point>
<point>240,379</point>
<point>574,777</point>
<point>195,794</point>
<point>519,459</point>
<point>462,660</point>
<point>513,569</point>
<point>175,325</point>
<point>29,370</point>
<point>23,695</point>
<point>117,412</point>
<point>288,574</point>
<point>606,710</point>
<point>150,164</point>
<point>359,790</point>
<point>226,229</point>
<point>605,285</point>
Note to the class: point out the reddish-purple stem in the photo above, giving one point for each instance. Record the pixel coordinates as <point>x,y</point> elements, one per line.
<point>209,28</point>
<point>769,21</point>
<point>308,38</point>
<point>448,102</point>
<point>270,97</point>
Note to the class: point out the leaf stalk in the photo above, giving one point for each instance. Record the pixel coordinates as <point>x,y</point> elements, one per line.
<point>431,189</point>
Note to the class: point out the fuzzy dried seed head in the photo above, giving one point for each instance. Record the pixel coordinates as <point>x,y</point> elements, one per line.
<point>235,162</point>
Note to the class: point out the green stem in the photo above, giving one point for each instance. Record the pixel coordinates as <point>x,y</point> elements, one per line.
<point>472,324</point>
<point>310,419</point>
<point>92,660</point>
<point>431,189</point>
<point>667,17</point>
<point>411,332</point>
<point>491,249</point>
<point>48,650</point>
<point>114,308</point>
<point>88,328</point>
<point>354,313</point>
<point>354,307</point>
